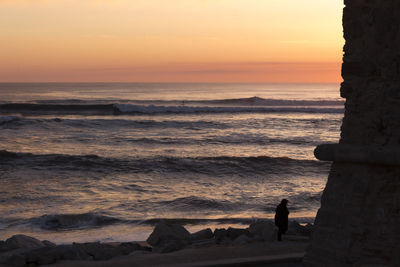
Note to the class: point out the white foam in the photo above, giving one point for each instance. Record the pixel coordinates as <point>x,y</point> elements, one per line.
<point>152,109</point>
<point>6,119</point>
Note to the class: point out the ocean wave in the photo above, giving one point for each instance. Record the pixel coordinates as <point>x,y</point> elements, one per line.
<point>8,119</point>
<point>196,221</point>
<point>258,101</point>
<point>113,123</point>
<point>150,107</point>
<point>191,203</point>
<point>150,110</point>
<point>67,109</point>
<point>72,221</point>
<point>68,222</point>
<point>221,165</point>
<point>247,101</point>
<point>307,197</point>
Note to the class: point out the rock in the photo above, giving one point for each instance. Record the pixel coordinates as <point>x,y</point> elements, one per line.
<point>297,229</point>
<point>68,252</point>
<point>6,255</point>
<point>271,236</point>
<point>16,260</point>
<point>23,241</point>
<point>220,235</point>
<point>233,233</point>
<point>309,227</point>
<point>128,247</point>
<point>263,229</point>
<point>203,242</point>
<point>3,246</point>
<point>164,232</point>
<point>242,239</point>
<point>101,251</point>
<point>202,234</point>
<point>170,246</point>
<point>42,256</point>
<point>299,238</point>
<point>49,255</point>
<point>47,243</point>
<point>97,250</point>
<point>259,227</point>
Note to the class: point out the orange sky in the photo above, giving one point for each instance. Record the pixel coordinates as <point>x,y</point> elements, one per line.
<point>171,40</point>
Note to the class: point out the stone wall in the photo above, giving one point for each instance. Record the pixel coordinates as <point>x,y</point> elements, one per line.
<point>358,223</point>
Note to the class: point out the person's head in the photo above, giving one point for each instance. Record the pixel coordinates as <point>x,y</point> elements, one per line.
<point>284,201</point>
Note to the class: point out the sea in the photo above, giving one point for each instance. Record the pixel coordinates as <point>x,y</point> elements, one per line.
<point>105,162</point>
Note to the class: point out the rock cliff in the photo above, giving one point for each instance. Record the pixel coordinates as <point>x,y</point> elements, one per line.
<point>358,223</point>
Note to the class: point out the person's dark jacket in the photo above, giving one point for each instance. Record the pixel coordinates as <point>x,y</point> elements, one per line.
<point>281,217</point>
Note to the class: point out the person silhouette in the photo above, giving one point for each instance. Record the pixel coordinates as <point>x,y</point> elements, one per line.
<point>282,218</point>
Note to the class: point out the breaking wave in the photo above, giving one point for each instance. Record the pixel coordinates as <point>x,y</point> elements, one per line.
<point>8,119</point>
<point>202,165</point>
<point>72,221</point>
<point>198,203</point>
<point>241,105</point>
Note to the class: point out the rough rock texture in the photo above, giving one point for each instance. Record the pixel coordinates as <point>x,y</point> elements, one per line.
<point>263,229</point>
<point>31,254</point>
<point>358,223</point>
<point>165,233</point>
<point>202,234</point>
<point>23,241</point>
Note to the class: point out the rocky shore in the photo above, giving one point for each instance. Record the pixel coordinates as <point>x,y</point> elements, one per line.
<point>21,250</point>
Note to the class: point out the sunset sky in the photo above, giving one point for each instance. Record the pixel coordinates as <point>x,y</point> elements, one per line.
<point>170,40</point>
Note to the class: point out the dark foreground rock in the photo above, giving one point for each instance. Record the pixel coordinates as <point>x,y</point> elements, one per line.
<point>165,232</point>
<point>263,230</point>
<point>202,235</point>
<point>20,250</point>
<point>297,229</point>
<point>223,236</point>
<point>28,251</point>
<point>22,241</point>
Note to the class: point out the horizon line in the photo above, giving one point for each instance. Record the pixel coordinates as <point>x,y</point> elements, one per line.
<point>148,82</point>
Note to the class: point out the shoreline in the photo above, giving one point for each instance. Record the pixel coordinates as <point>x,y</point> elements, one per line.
<point>130,232</point>
<point>168,243</point>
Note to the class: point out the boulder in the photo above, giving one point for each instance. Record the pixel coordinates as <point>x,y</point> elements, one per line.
<point>259,227</point>
<point>170,246</point>
<point>202,234</point>
<point>98,250</point>
<point>297,229</point>
<point>242,240</point>
<point>3,246</point>
<point>164,232</point>
<point>16,260</point>
<point>47,243</point>
<point>23,241</point>
<point>220,234</point>
<point>128,247</point>
<point>49,255</point>
<point>5,256</point>
<point>271,236</point>
<point>42,256</point>
<point>263,229</point>
<point>233,233</point>
<point>69,252</point>
<point>203,242</point>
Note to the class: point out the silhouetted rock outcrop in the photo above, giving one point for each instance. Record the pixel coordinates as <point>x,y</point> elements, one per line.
<point>28,251</point>
<point>358,222</point>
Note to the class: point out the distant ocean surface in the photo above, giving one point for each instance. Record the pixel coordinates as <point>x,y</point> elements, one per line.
<point>106,161</point>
